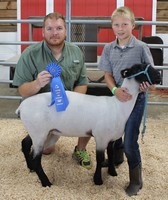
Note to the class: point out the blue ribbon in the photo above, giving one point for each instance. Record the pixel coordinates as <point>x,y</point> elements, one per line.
<point>58,94</point>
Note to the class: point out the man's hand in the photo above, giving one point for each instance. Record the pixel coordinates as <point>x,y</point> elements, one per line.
<point>43,78</point>
<point>33,87</point>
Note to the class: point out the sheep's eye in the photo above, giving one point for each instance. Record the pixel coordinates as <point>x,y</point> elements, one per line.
<point>125,73</point>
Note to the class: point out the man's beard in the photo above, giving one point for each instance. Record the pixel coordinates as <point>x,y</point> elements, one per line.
<point>57,42</point>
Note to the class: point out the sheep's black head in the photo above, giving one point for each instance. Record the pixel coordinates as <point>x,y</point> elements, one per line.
<point>142,73</point>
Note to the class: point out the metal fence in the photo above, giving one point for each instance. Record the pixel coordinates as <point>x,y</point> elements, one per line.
<point>90,66</point>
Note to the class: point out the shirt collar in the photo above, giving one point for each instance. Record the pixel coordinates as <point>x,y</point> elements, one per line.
<point>49,50</point>
<point>130,43</point>
<point>46,47</point>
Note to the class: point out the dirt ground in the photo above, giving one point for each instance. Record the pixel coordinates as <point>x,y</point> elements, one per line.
<point>71,181</point>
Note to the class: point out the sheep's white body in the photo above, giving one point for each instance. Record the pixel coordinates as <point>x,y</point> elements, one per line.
<point>104,117</point>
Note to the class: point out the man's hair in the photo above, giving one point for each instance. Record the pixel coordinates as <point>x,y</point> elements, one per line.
<point>55,15</point>
<point>124,11</point>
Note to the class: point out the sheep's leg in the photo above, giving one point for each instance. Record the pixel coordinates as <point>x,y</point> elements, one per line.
<point>110,154</point>
<point>26,149</point>
<point>34,164</point>
<point>97,176</point>
<point>40,172</point>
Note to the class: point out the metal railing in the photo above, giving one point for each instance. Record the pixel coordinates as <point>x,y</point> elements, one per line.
<point>90,66</point>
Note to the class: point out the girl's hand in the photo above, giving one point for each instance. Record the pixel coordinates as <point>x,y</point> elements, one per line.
<point>145,85</point>
<point>122,94</point>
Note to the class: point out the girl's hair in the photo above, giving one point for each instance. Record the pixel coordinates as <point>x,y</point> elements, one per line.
<point>55,15</point>
<point>124,11</point>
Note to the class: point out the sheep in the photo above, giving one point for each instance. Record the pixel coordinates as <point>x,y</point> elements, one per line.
<point>103,117</point>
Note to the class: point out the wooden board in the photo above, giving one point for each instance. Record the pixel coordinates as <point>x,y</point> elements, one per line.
<point>162,15</point>
<point>8,11</point>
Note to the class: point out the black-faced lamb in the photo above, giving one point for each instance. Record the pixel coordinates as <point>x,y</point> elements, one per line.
<point>102,117</point>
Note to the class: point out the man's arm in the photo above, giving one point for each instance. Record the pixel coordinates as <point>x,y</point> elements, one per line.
<point>81,89</point>
<point>33,87</point>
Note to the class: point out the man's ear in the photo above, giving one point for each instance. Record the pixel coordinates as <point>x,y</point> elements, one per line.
<point>43,31</point>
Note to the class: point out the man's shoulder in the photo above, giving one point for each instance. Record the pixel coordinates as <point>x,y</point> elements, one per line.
<point>70,45</point>
<point>72,49</point>
<point>34,47</point>
<point>31,51</point>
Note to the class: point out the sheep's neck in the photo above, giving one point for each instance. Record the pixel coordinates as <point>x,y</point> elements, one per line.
<point>132,85</point>
<point>133,88</point>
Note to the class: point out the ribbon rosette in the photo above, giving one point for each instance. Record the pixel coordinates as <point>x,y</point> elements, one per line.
<point>58,94</point>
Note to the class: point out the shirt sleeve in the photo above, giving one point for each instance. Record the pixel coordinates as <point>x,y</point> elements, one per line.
<point>146,55</point>
<point>104,62</point>
<point>23,71</point>
<point>83,79</point>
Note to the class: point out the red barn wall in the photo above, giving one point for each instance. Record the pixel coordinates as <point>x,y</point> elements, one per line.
<point>141,8</point>
<point>31,8</point>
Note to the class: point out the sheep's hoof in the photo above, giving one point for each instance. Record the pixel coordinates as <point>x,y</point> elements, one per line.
<point>98,181</point>
<point>47,184</point>
<point>112,172</point>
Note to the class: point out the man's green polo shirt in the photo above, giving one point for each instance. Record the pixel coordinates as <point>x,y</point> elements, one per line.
<point>36,57</point>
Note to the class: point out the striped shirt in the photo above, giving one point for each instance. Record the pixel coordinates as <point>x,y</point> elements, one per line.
<point>114,58</point>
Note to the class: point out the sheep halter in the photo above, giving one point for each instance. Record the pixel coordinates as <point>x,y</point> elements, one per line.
<point>58,95</point>
<point>143,72</point>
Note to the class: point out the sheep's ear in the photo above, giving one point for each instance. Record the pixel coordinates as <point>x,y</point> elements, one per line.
<point>124,73</point>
